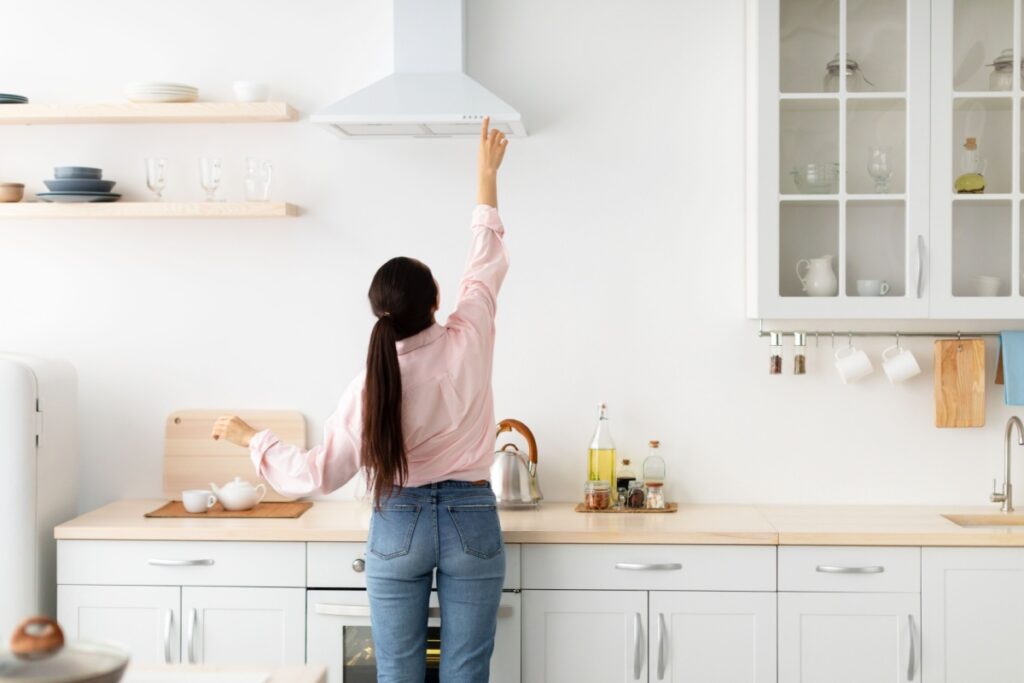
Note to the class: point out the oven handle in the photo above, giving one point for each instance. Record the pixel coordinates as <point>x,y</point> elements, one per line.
<point>331,610</point>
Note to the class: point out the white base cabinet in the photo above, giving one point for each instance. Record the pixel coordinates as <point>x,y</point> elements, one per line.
<point>849,637</point>
<point>973,610</point>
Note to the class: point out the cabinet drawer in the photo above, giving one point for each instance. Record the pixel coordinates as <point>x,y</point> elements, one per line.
<point>849,569</point>
<point>649,567</point>
<point>332,565</point>
<point>181,563</point>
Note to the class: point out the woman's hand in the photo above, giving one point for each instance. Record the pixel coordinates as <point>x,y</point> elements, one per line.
<point>233,429</point>
<point>492,151</point>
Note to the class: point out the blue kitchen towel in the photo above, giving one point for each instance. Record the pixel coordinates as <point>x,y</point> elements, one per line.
<point>1012,350</point>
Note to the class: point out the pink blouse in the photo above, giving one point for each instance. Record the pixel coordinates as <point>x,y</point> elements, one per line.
<point>447,401</point>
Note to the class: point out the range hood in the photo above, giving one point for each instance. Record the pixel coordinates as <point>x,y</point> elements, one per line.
<point>429,94</point>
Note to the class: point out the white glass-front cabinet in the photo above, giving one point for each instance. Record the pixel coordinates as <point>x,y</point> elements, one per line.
<point>838,167</point>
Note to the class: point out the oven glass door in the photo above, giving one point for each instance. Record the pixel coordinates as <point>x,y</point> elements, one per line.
<point>339,637</point>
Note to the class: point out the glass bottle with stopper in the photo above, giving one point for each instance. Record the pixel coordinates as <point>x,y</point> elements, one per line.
<point>972,169</point>
<point>654,465</point>
<point>601,457</point>
<point>624,476</point>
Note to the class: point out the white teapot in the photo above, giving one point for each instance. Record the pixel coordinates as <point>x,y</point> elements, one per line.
<point>238,494</point>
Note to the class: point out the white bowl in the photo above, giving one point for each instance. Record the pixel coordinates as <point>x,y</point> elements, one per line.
<point>249,91</point>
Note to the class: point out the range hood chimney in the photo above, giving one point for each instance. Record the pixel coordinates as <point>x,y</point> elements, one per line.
<point>429,94</point>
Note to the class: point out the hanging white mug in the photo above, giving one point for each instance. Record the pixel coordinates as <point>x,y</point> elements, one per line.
<point>900,365</point>
<point>853,364</point>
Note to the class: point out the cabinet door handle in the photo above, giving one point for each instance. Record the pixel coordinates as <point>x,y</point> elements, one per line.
<point>662,654</point>
<point>168,624</point>
<point>920,266</point>
<point>642,567</point>
<point>912,659</point>
<point>638,646</point>
<point>833,569</point>
<point>181,563</point>
<point>193,618</point>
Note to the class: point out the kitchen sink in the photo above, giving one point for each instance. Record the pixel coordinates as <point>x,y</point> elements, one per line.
<point>994,519</point>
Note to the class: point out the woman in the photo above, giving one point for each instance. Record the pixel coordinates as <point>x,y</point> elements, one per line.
<point>420,423</point>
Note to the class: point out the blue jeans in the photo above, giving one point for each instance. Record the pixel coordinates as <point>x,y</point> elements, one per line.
<point>451,526</point>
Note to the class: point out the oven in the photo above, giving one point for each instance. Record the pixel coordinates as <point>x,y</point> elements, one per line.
<point>338,636</point>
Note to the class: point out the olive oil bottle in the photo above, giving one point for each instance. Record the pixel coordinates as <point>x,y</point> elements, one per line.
<point>601,458</point>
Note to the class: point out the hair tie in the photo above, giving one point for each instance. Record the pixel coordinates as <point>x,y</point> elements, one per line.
<point>385,314</point>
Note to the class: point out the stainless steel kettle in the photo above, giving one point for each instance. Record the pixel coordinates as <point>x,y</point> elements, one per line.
<point>514,473</point>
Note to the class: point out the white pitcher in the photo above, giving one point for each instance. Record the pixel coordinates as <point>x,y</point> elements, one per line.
<point>819,279</point>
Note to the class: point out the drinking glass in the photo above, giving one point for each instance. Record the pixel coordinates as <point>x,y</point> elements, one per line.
<point>209,176</point>
<point>258,175</point>
<point>880,167</point>
<point>156,175</point>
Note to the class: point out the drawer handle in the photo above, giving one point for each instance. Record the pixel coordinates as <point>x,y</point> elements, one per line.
<point>504,611</point>
<point>833,569</point>
<point>181,563</point>
<point>642,567</point>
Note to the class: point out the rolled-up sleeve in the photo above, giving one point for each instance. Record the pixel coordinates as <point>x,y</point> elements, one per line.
<point>294,471</point>
<point>484,273</point>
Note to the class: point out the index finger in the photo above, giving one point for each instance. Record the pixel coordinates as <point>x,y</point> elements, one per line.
<point>484,127</point>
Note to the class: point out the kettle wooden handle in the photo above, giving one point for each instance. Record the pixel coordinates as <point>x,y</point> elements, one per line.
<point>36,637</point>
<point>509,425</point>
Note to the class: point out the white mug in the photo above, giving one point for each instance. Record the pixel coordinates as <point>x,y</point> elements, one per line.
<point>853,364</point>
<point>987,285</point>
<point>248,91</point>
<point>197,500</point>
<point>872,287</point>
<point>899,366</point>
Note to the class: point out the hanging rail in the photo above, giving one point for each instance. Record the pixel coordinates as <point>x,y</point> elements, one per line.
<point>959,334</point>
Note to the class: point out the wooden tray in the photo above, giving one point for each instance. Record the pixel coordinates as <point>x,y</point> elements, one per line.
<point>289,510</point>
<point>669,507</point>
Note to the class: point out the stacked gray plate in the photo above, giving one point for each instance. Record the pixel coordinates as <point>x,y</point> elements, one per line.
<point>78,184</point>
<point>6,98</point>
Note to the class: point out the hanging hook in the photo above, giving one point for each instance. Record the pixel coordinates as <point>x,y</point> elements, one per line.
<point>851,340</point>
<point>815,339</point>
<point>833,339</point>
<point>897,340</point>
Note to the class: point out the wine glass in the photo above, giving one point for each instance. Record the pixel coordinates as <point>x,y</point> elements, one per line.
<point>156,176</point>
<point>880,167</point>
<point>209,176</point>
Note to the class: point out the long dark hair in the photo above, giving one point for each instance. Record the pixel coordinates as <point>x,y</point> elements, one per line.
<point>403,295</point>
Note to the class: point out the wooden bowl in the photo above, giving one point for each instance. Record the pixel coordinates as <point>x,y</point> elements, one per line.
<point>11,192</point>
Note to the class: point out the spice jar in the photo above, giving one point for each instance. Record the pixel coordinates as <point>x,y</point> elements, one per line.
<point>655,496</point>
<point>799,353</point>
<point>636,497</point>
<point>774,353</point>
<point>597,495</point>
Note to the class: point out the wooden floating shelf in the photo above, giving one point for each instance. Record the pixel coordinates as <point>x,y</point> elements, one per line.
<point>150,210</point>
<point>155,112</point>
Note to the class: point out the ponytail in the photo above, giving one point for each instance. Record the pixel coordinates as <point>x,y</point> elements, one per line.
<point>403,295</point>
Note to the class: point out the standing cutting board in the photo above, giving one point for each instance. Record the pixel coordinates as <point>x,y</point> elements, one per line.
<point>960,383</point>
<point>192,459</point>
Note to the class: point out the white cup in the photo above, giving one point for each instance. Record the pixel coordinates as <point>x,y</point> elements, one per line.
<point>900,365</point>
<point>853,364</point>
<point>248,91</point>
<point>872,287</point>
<point>987,285</point>
<point>197,500</point>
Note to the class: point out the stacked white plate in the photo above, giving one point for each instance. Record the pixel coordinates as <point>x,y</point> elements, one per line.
<point>155,91</point>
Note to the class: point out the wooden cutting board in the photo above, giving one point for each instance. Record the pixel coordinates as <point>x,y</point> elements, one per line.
<point>192,459</point>
<point>960,383</point>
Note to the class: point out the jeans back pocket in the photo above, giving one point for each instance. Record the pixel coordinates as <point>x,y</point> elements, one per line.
<point>391,530</point>
<point>478,528</point>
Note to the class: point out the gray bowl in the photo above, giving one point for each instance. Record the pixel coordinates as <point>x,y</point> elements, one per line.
<point>78,172</point>
<point>79,185</point>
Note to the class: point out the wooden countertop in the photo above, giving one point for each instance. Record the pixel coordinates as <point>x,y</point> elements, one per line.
<point>558,523</point>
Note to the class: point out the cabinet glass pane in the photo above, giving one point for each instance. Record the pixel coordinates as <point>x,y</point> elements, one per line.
<point>876,248</point>
<point>981,30</point>
<point>990,122</point>
<point>807,230</point>
<point>808,40</point>
<point>876,131</point>
<point>876,38</point>
<point>981,248</point>
<point>808,134</point>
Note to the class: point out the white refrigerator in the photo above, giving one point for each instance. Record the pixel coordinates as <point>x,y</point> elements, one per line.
<point>38,481</point>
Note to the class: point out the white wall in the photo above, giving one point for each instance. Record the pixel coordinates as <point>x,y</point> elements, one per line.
<point>625,218</point>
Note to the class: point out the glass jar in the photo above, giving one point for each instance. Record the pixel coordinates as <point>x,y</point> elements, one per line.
<point>799,353</point>
<point>655,496</point>
<point>636,497</point>
<point>855,81</point>
<point>654,465</point>
<point>774,353</point>
<point>597,495</point>
<point>1001,77</point>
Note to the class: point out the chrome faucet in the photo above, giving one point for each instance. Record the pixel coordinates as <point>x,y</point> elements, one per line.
<point>1006,497</point>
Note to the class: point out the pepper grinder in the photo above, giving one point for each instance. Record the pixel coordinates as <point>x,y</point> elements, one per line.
<point>799,353</point>
<point>774,353</point>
